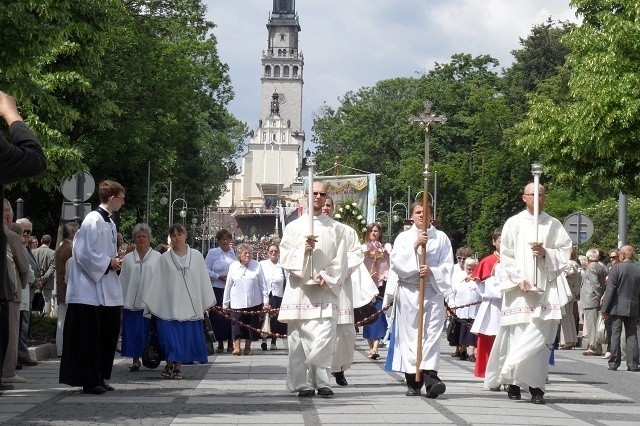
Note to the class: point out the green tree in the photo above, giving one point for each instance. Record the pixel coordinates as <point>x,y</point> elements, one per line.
<point>589,137</point>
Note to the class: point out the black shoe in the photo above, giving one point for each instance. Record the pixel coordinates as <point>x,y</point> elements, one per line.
<point>412,391</point>
<point>495,389</point>
<point>464,356</point>
<point>94,390</point>
<point>612,368</point>
<point>513,392</point>
<point>263,346</point>
<point>340,379</point>
<point>538,399</point>
<point>472,358</point>
<point>107,386</point>
<point>6,386</point>
<point>325,392</point>
<point>18,366</point>
<point>436,389</point>
<point>633,368</point>
<point>306,393</point>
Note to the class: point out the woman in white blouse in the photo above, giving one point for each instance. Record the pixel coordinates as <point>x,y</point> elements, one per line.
<point>137,268</point>
<point>245,292</point>
<point>276,279</point>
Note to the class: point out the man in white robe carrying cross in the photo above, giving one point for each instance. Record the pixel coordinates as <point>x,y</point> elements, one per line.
<point>317,270</point>
<point>530,318</point>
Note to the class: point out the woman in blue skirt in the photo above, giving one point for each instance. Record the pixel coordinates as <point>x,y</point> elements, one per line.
<point>180,293</point>
<point>137,268</point>
<point>376,259</point>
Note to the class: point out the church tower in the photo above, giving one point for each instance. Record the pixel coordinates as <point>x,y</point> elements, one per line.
<point>272,165</point>
<point>282,64</point>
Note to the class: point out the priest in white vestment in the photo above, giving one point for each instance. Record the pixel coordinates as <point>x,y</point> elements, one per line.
<point>310,301</point>
<point>94,298</point>
<point>437,272</point>
<point>529,320</point>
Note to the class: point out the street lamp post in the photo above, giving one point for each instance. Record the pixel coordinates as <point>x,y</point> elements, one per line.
<point>183,212</point>
<point>163,199</point>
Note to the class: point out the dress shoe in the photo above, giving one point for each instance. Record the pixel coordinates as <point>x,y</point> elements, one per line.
<point>612,368</point>
<point>107,386</point>
<point>18,366</point>
<point>93,390</point>
<point>14,379</point>
<point>472,358</point>
<point>513,392</point>
<point>306,393</point>
<point>5,386</point>
<point>263,346</point>
<point>464,356</point>
<point>455,354</point>
<point>27,361</point>
<point>435,389</point>
<point>632,368</point>
<point>538,399</point>
<point>340,379</point>
<point>412,392</point>
<point>325,392</point>
<point>495,389</point>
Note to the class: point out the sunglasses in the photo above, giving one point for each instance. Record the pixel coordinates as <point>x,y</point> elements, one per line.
<point>613,257</point>
<point>322,194</point>
<point>27,231</point>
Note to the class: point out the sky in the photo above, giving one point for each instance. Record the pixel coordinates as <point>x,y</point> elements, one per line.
<point>350,44</point>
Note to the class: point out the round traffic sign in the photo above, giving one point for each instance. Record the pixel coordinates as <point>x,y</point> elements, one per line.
<point>79,187</point>
<point>579,227</point>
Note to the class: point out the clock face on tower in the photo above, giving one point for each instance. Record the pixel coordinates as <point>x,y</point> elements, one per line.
<point>282,99</point>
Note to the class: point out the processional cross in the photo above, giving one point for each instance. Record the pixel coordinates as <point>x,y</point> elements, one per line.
<point>426,119</point>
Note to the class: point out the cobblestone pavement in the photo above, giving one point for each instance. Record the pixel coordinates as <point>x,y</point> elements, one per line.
<point>251,390</point>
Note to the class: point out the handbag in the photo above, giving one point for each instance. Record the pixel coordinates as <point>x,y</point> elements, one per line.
<point>453,332</point>
<point>266,326</point>
<point>37,304</point>
<point>209,335</point>
<point>601,334</point>
<point>152,355</point>
<point>363,312</point>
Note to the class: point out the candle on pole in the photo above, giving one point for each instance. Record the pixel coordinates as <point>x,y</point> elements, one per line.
<point>310,164</point>
<point>536,170</point>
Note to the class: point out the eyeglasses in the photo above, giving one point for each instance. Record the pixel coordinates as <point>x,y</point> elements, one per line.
<point>539,195</point>
<point>613,257</point>
<point>27,231</point>
<point>461,258</point>
<point>322,194</point>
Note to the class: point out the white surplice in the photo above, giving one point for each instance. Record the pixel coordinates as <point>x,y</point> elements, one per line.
<point>405,263</point>
<point>179,289</point>
<point>310,310</point>
<point>529,321</point>
<point>135,275</point>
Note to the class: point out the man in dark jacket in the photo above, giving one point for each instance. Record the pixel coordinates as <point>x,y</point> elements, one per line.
<point>621,302</point>
<point>21,158</point>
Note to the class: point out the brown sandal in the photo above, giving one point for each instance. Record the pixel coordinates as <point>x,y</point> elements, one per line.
<point>166,373</point>
<point>176,375</point>
<point>248,352</point>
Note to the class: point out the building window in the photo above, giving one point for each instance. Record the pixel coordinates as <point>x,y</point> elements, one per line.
<point>283,37</point>
<point>276,71</point>
<point>267,71</point>
<point>264,136</point>
<point>295,72</point>
<point>285,71</point>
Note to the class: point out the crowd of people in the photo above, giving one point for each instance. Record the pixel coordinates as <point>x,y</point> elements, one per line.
<point>507,312</point>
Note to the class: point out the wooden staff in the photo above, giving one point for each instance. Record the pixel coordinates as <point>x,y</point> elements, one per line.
<point>425,119</point>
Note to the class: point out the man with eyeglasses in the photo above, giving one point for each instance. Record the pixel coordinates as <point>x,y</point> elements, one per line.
<point>530,319</point>
<point>310,301</point>
<point>27,296</point>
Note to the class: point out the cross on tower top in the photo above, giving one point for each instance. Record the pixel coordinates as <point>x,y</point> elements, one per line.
<point>427,117</point>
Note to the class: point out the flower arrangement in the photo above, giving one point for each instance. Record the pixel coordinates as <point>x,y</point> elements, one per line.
<point>350,214</point>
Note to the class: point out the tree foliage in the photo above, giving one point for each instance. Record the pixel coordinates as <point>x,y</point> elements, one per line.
<point>114,85</point>
<point>587,135</point>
